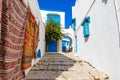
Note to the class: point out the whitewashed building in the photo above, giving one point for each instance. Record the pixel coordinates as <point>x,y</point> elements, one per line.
<point>60,14</point>
<point>102,47</point>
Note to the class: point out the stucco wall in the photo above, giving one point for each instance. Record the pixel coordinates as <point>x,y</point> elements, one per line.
<point>36,12</point>
<point>117,5</point>
<point>102,48</point>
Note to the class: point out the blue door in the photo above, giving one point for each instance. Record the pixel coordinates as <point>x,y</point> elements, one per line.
<point>52,46</point>
<point>64,45</point>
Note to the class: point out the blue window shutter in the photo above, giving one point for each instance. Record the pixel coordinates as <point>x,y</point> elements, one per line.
<point>86,29</point>
<point>85,25</point>
<point>74,24</point>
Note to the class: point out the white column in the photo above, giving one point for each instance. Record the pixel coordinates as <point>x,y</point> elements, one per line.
<point>59,46</point>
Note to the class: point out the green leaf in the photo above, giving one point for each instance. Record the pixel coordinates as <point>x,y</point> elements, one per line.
<point>53,31</point>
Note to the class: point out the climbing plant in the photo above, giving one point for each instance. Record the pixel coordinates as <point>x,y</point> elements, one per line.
<point>52,31</point>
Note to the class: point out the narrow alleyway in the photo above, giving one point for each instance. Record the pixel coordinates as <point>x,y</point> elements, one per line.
<point>64,67</point>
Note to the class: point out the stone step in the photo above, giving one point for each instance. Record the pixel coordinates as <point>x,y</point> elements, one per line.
<point>54,67</point>
<point>56,60</point>
<point>51,75</point>
<point>57,63</point>
<point>58,75</point>
<point>64,67</point>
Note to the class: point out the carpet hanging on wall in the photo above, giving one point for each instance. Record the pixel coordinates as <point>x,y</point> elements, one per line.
<point>30,41</point>
<point>12,39</point>
<point>0,20</point>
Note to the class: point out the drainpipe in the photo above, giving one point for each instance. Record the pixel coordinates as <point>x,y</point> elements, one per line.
<point>117,21</point>
<point>59,46</point>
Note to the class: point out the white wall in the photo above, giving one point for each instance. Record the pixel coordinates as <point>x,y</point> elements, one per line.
<point>36,12</point>
<point>102,48</point>
<point>117,5</point>
<point>81,9</point>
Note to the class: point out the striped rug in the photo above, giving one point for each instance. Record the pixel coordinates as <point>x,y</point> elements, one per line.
<point>28,48</point>
<point>0,20</point>
<point>12,39</point>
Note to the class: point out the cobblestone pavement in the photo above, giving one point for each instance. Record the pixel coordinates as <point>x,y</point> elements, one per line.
<point>55,66</point>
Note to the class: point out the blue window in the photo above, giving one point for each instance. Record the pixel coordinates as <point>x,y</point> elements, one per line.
<point>85,25</point>
<point>74,24</point>
<point>54,17</point>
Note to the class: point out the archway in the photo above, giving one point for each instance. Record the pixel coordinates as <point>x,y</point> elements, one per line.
<point>67,42</point>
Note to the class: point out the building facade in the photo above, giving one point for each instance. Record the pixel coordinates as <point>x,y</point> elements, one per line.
<point>102,46</point>
<point>96,37</point>
<point>65,19</point>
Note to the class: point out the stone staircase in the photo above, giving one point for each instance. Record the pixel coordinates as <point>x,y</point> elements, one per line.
<point>64,67</point>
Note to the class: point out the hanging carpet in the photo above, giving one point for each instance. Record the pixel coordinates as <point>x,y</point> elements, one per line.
<point>12,39</point>
<point>30,42</point>
<point>0,20</point>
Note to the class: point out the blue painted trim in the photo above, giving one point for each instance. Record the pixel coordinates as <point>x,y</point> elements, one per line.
<point>76,45</point>
<point>39,53</point>
<point>74,24</point>
<point>67,37</point>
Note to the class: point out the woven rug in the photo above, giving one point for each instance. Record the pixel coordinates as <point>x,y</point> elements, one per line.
<point>12,39</point>
<point>28,48</point>
<point>0,20</point>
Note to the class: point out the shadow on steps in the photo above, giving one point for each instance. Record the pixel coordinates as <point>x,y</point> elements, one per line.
<point>64,67</point>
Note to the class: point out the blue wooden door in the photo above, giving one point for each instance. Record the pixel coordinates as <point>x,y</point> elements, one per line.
<point>64,45</point>
<point>52,46</point>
